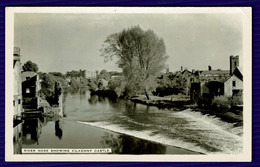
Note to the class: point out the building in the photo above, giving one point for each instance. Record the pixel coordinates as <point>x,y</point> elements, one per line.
<point>30,88</point>
<point>17,91</point>
<point>234,84</point>
<point>91,74</point>
<point>190,77</point>
<point>218,82</point>
<point>76,74</point>
<point>17,101</point>
<point>213,75</point>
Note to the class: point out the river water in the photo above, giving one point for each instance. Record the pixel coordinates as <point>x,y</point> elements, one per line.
<point>111,123</point>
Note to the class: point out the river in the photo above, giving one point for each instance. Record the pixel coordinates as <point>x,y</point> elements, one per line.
<point>130,128</point>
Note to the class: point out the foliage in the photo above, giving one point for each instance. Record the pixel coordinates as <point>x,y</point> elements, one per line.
<point>58,74</point>
<point>171,83</point>
<point>140,54</point>
<point>51,87</point>
<point>221,102</point>
<point>237,99</point>
<point>92,86</point>
<point>30,66</point>
<point>104,75</point>
<point>117,84</point>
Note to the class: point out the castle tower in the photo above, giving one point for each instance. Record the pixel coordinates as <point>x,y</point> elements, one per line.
<point>167,69</point>
<point>234,62</point>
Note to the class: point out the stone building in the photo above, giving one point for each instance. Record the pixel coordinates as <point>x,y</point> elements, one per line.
<point>17,84</point>
<point>30,88</point>
<point>17,101</point>
<point>217,82</point>
<point>76,74</point>
<point>234,84</point>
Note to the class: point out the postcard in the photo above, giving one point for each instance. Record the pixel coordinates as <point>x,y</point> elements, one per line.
<point>161,84</point>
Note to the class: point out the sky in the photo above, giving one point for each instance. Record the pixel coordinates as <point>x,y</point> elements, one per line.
<point>65,42</point>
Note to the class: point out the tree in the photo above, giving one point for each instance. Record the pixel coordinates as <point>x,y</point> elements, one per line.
<point>171,83</point>
<point>104,75</point>
<point>140,54</point>
<point>30,66</point>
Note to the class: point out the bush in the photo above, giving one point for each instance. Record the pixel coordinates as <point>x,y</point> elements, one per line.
<point>117,85</point>
<point>221,102</point>
<point>237,99</point>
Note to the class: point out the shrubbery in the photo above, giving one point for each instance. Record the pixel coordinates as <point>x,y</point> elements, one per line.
<point>222,102</point>
<point>117,85</point>
<point>237,99</point>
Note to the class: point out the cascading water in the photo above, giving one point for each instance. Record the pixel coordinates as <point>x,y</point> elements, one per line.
<point>186,129</point>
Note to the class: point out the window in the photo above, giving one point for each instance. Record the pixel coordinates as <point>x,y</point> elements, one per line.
<point>27,90</point>
<point>14,102</point>
<point>19,101</point>
<point>234,83</point>
<point>235,64</point>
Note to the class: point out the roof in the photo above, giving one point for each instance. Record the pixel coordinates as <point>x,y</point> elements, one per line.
<point>26,74</point>
<point>238,72</point>
<point>216,72</point>
<point>240,69</point>
<point>16,50</point>
<point>186,71</point>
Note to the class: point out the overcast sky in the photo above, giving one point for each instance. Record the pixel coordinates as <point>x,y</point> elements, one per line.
<point>65,42</point>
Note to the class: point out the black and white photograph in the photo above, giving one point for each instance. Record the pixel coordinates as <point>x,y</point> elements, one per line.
<point>121,83</point>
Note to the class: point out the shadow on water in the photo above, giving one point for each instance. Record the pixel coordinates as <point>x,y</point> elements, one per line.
<point>124,144</point>
<point>93,99</point>
<point>32,129</point>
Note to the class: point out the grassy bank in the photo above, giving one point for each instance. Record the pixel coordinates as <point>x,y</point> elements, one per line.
<point>176,102</point>
<point>180,102</point>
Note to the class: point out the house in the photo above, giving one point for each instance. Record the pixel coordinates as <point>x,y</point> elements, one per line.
<point>234,84</point>
<point>190,78</point>
<point>217,82</point>
<point>17,84</point>
<point>30,88</point>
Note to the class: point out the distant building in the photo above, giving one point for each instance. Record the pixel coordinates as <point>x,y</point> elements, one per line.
<point>91,74</point>
<point>217,82</point>
<point>234,63</point>
<point>17,94</point>
<point>30,88</point>
<point>76,75</point>
<point>234,84</point>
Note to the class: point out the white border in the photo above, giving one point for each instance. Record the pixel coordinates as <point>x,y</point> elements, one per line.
<point>246,156</point>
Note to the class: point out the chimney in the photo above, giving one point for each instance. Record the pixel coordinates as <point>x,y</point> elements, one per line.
<point>193,71</point>
<point>209,68</point>
<point>181,68</point>
<point>16,53</point>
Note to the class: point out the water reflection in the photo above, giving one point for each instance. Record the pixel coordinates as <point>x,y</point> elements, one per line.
<point>124,144</point>
<point>32,129</point>
<point>17,138</point>
<point>58,128</point>
<point>93,99</point>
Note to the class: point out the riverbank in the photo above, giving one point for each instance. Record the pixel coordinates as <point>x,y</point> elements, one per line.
<point>176,103</point>
<point>179,103</point>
